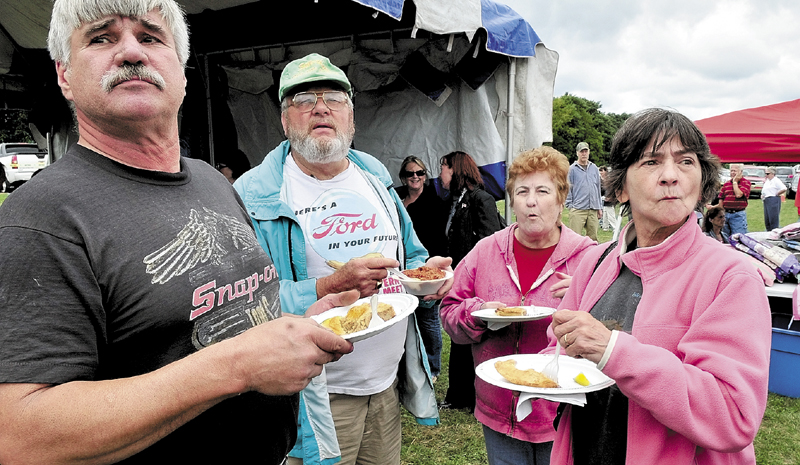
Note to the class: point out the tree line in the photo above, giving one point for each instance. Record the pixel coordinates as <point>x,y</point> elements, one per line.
<point>577,119</point>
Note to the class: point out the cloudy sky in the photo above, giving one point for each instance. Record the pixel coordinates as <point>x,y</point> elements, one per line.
<point>700,57</point>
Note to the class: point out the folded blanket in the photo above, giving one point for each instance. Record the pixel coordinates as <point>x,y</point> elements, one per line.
<point>790,231</point>
<point>781,260</point>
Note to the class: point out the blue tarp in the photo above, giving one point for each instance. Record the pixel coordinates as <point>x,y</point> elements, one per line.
<point>508,33</point>
<point>393,8</point>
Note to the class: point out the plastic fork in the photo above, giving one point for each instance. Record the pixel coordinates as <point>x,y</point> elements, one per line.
<point>373,304</point>
<point>397,274</point>
<point>551,369</point>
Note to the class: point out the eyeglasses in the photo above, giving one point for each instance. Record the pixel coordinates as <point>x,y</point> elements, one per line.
<point>306,101</point>
<point>408,174</point>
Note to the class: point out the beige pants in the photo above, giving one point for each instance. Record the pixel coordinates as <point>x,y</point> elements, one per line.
<point>368,428</point>
<point>588,218</point>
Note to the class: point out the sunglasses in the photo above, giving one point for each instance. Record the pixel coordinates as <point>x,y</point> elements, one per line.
<point>306,101</point>
<point>408,174</point>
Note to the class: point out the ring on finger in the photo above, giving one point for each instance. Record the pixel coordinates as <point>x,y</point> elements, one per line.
<point>378,284</point>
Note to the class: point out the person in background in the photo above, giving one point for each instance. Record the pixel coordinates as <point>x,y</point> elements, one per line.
<point>472,216</point>
<point>583,200</point>
<point>235,164</point>
<point>771,194</point>
<point>690,371</point>
<point>428,215</point>
<point>528,263</point>
<point>226,171</point>
<point>714,222</point>
<point>609,220</point>
<point>314,201</point>
<point>733,198</point>
<point>122,339</point>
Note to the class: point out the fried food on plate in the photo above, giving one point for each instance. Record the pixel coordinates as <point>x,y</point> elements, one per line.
<point>425,273</point>
<point>508,370</point>
<point>510,311</point>
<point>358,318</point>
<point>335,325</point>
<point>385,311</point>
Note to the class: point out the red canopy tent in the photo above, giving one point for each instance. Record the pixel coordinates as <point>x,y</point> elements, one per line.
<point>763,134</point>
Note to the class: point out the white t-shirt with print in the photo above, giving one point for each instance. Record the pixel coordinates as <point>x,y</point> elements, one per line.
<point>343,218</point>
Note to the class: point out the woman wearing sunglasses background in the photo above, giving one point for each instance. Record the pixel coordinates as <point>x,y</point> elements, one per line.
<point>427,212</point>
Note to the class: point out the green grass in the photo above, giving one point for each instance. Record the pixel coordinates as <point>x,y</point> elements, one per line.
<point>458,440</point>
<point>3,198</point>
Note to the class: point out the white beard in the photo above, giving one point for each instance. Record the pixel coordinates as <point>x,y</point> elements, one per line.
<point>322,150</point>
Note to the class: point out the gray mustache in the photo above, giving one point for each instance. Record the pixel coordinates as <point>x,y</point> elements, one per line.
<point>128,72</point>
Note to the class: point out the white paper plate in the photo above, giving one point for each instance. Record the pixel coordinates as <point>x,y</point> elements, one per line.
<point>534,313</point>
<point>568,368</point>
<point>417,287</point>
<point>404,305</point>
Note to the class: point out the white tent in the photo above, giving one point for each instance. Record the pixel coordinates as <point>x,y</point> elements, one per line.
<point>430,76</point>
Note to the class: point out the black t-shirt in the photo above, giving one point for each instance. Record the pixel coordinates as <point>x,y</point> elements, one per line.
<point>117,271</point>
<point>600,428</point>
<point>429,215</point>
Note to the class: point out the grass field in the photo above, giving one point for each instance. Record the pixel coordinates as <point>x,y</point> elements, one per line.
<point>458,440</point>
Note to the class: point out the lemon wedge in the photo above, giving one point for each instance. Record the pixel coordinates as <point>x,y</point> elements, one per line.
<point>581,379</point>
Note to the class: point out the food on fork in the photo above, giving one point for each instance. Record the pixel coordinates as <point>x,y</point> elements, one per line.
<point>425,273</point>
<point>336,264</point>
<point>508,370</point>
<point>510,311</point>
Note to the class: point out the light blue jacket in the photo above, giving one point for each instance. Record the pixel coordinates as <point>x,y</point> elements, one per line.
<point>279,233</point>
<point>584,187</point>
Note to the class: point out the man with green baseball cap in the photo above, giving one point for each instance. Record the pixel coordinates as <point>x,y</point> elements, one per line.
<point>314,202</point>
<point>584,197</point>
<point>309,69</point>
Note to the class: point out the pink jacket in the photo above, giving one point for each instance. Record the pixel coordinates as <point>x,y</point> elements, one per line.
<point>696,366</point>
<point>489,273</point>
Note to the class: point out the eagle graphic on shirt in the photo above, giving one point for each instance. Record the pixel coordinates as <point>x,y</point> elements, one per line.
<point>207,237</point>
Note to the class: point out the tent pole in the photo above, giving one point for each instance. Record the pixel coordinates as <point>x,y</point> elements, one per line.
<point>209,112</point>
<point>512,72</point>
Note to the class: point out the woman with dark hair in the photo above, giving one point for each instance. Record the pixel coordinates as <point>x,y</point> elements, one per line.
<point>472,216</point>
<point>527,263</point>
<point>680,324</point>
<point>428,215</point>
<point>714,222</point>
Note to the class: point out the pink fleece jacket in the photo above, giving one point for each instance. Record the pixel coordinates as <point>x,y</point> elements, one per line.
<point>489,273</point>
<point>696,366</point>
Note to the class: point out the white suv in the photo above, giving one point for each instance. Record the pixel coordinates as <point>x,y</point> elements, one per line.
<point>19,161</point>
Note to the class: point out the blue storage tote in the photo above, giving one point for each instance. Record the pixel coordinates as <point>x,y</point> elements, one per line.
<point>784,364</point>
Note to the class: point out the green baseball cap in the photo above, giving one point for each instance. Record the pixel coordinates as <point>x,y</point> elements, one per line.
<point>582,146</point>
<point>311,68</point>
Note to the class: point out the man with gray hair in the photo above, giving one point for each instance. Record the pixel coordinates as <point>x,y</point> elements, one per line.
<point>142,324</point>
<point>331,221</point>
<point>771,194</point>
<point>733,197</point>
